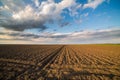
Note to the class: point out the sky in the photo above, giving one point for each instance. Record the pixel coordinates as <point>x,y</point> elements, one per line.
<point>59,21</point>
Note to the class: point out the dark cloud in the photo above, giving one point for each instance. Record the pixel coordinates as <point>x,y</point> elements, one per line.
<point>21,26</point>
<point>64,24</point>
<point>19,16</point>
<point>30,35</point>
<point>59,36</point>
<point>15,15</point>
<point>106,34</point>
<point>2,33</point>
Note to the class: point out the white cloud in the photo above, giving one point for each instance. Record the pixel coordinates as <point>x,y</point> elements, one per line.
<point>37,3</point>
<point>20,16</point>
<point>86,36</point>
<point>73,10</point>
<point>86,14</point>
<point>27,13</point>
<point>93,4</point>
<point>13,5</point>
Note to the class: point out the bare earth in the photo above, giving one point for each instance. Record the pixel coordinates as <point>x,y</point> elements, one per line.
<point>60,62</point>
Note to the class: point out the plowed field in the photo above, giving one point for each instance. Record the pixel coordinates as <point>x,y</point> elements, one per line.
<point>60,62</point>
